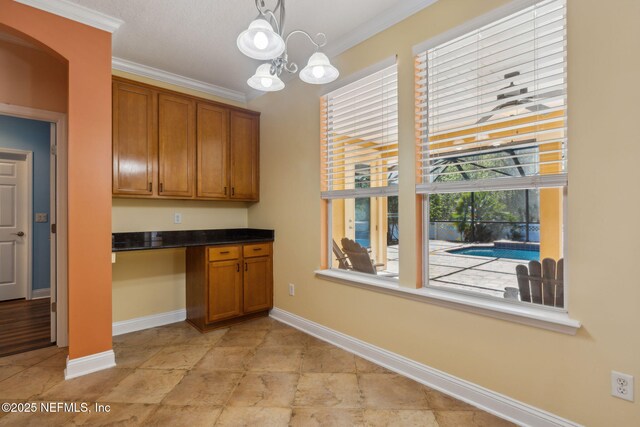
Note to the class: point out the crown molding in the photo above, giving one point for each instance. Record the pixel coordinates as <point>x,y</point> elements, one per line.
<point>76,12</point>
<point>176,79</point>
<point>378,24</point>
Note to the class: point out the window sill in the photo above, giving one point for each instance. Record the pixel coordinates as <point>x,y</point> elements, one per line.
<point>540,317</point>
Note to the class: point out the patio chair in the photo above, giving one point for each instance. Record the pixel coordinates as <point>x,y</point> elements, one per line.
<point>343,260</point>
<point>359,257</point>
<point>542,283</point>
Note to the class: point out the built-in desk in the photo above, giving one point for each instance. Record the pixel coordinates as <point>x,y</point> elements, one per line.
<point>137,241</point>
<point>229,272</point>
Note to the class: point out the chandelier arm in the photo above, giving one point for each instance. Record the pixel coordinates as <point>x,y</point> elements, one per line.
<point>273,20</point>
<point>282,16</point>
<point>270,15</point>
<point>321,36</point>
<point>261,6</point>
<point>291,67</point>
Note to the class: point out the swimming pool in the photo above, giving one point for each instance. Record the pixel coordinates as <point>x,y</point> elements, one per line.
<point>519,254</point>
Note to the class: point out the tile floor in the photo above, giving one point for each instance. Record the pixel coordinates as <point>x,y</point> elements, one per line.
<point>259,373</point>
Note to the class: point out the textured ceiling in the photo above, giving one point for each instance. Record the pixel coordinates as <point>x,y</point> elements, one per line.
<point>197,38</point>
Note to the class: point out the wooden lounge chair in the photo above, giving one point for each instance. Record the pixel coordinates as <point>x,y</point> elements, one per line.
<point>343,260</point>
<point>542,283</point>
<point>359,257</point>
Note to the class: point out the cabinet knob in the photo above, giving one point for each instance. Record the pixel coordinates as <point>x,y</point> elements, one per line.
<point>233,191</point>
<point>246,267</point>
<point>237,268</point>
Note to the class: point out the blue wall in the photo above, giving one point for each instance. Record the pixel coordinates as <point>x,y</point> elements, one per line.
<point>32,135</point>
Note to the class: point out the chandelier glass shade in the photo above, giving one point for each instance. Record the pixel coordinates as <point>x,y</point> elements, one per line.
<point>264,80</point>
<point>319,70</point>
<point>259,41</point>
<point>264,40</point>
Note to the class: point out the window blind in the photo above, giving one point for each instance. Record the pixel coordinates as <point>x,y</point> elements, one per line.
<point>491,104</point>
<point>359,137</point>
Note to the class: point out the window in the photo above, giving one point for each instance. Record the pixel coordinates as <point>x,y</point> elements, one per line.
<point>359,155</point>
<point>492,137</point>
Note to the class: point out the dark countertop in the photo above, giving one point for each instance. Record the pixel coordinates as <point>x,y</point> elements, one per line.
<point>179,239</point>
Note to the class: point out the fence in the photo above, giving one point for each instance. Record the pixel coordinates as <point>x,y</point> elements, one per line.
<point>485,231</point>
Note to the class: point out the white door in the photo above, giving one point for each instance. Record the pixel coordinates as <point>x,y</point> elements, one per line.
<point>14,225</point>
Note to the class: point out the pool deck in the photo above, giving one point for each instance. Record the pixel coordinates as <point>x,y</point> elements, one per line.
<point>486,275</point>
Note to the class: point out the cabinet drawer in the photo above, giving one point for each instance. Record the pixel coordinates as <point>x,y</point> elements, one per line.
<point>223,253</point>
<point>261,249</point>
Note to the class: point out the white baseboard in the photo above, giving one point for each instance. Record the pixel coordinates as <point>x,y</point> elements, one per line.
<point>146,322</point>
<point>487,400</point>
<point>88,364</point>
<point>41,293</point>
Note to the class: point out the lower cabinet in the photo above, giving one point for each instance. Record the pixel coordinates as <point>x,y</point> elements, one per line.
<point>228,284</point>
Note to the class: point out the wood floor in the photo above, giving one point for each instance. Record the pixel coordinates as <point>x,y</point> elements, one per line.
<point>24,325</point>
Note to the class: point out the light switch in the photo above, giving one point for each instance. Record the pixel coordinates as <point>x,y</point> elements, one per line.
<point>42,217</point>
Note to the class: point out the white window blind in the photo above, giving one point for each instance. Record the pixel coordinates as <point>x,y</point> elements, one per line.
<point>359,137</point>
<point>492,104</point>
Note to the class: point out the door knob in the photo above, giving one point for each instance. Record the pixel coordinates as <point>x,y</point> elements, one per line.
<point>19,233</point>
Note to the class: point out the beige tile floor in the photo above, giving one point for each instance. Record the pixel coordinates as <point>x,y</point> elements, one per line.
<point>259,373</point>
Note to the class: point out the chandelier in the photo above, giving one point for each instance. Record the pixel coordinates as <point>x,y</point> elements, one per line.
<point>261,41</point>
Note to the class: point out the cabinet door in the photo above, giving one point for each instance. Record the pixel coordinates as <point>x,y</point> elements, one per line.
<point>225,290</point>
<point>134,140</point>
<point>244,174</point>
<point>212,152</point>
<point>176,144</point>
<point>258,284</point>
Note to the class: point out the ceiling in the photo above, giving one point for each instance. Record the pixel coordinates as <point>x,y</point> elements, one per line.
<point>194,41</point>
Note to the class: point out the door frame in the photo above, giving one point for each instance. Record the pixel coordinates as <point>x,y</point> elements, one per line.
<point>28,159</point>
<point>59,274</point>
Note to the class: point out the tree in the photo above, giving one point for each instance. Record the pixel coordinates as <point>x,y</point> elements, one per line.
<point>487,206</point>
<point>442,206</point>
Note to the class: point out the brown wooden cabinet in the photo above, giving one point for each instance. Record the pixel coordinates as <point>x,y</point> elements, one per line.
<point>176,146</point>
<point>134,140</point>
<point>170,145</point>
<point>258,277</point>
<point>228,153</point>
<point>213,152</point>
<point>227,284</point>
<point>225,290</point>
<point>244,156</point>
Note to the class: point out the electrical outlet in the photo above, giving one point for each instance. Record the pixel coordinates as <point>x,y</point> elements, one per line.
<point>177,218</point>
<point>292,289</point>
<point>622,386</point>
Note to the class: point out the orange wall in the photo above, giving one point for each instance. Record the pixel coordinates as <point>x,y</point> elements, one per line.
<point>88,52</point>
<point>33,78</point>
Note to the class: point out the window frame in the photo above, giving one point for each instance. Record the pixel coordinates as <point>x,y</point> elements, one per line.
<point>537,316</point>
<point>327,195</point>
<point>472,294</point>
<point>525,182</point>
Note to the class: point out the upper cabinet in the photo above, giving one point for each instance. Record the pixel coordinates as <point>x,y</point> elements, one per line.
<point>244,156</point>
<point>172,146</point>
<point>213,152</point>
<point>176,146</point>
<point>134,140</point>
